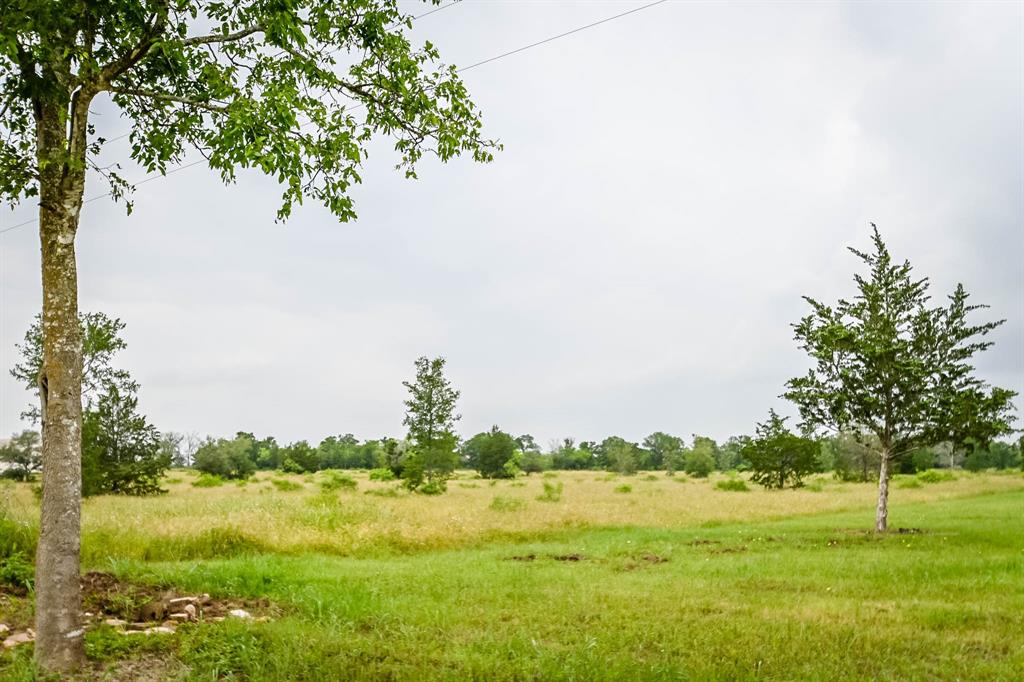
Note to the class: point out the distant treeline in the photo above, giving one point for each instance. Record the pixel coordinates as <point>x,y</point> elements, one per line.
<point>497,454</point>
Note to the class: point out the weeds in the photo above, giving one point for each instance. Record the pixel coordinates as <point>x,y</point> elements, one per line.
<point>552,492</point>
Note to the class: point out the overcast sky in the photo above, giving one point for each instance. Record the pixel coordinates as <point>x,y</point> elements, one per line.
<point>672,183</point>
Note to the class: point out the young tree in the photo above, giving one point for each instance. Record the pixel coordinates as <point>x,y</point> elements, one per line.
<point>888,364</point>
<point>430,417</point>
<point>294,89</point>
<point>21,454</point>
<point>121,451</point>
<point>778,457</point>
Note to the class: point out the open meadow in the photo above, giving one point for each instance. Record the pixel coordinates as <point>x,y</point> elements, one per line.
<point>570,575</point>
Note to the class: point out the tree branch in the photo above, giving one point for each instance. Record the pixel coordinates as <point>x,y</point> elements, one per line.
<point>167,97</point>
<point>223,37</point>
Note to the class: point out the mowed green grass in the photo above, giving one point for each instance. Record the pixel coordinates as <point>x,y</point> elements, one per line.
<point>810,597</point>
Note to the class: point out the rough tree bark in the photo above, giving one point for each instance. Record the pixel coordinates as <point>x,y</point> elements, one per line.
<point>882,512</point>
<point>61,139</point>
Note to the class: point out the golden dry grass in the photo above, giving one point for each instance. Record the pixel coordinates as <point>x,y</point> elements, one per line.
<point>353,523</point>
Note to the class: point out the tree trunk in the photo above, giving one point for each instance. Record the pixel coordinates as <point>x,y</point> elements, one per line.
<point>59,635</point>
<point>882,513</point>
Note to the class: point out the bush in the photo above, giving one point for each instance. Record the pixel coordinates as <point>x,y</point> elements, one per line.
<point>779,457</point>
<point>382,492</point>
<point>208,481</point>
<point>624,489</point>
<point>435,487</point>
<point>502,503</point>
<point>226,458</point>
<point>908,483</point>
<point>732,484</point>
<point>338,481</point>
<point>16,571</point>
<point>382,475</point>
<point>552,492</point>
<point>935,476</point>
<point>284,485</point>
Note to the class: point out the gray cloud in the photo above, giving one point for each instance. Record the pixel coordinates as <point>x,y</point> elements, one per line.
<point>672,183</point>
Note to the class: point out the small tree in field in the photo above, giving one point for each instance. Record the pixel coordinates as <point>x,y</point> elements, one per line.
<point>120,450</point>
<point>21,455</point>
<point>779,457</point>
<point>430,417</point>
<point>296,89</point>
<point>888,364</point>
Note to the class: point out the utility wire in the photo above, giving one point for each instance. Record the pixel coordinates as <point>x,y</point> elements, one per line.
<point>198,162</point>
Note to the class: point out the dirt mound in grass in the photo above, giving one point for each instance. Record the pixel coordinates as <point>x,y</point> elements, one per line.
<point>105,598</point>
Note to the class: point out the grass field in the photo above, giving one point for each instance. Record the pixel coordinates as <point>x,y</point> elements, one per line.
<point>672,579</point>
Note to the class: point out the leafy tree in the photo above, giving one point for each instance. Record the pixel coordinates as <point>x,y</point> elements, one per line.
<point>996,455</point>
<point>534,461</point>
<point>430,417</point>
<point>526,443</point>
<point>121,451</point>
<point>101,341</point>
<point>665,451</point>
<point>299,458</point>
<point>21,455</point>
<point>888,364</point>
<point>855,456</point>
<point>171,447</point>
<point>708,445</point>
<point>565,455</point>
<point>620,455</point>
<point>778,457</point>
<point>297,90</point>
<point>226,458</point>
<point>490,452</point>
<point>117,453</point>
<point>730,455</point>
<point>699,461</point>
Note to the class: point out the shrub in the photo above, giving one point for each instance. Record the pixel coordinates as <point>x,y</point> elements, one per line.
<point>382,475</point>
<point>383,492</point>
<point>435,487</point>
<point>552,492</point>
<point>208,481</point>
<point>908,483</point>
<point>779,457</point>
<point>16,571</point>
<point>732,484</point>
<point>624,489</point>
<point>935,476</point>
<point>502,503</point>
<point>226,458</point>
<point>650,477</point>
<point>284,485</point>
<point>338,481</point>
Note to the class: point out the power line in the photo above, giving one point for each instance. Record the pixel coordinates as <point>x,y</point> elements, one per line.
<point>561,35</point>
<point>192,164</point>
